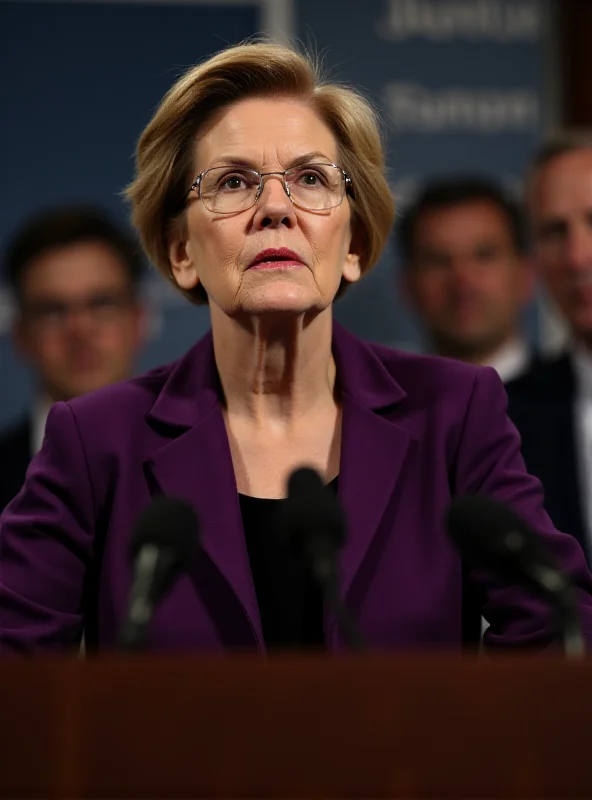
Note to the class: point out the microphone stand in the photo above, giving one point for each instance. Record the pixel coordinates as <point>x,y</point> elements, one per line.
<point>573,642</point>
<point>323,562</point>
<point>561,593</point>
<point>348,629</point>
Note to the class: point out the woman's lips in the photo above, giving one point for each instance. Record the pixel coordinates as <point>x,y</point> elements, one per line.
<point>277,264</point>
<point>276,258</point>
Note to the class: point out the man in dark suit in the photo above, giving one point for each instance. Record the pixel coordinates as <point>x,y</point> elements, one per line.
<point>465,271</point>
<point>79,322</point>
<point>551,404</point>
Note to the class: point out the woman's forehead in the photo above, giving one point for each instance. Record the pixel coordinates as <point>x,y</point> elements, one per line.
<point>260,131</point>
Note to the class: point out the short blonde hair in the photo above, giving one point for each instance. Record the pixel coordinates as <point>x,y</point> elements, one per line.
<point>165,152</point>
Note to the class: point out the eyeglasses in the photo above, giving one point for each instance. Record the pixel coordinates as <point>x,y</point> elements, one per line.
<point>312,187</point>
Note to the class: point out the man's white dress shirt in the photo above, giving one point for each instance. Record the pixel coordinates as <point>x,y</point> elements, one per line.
<point>511,360</point>
<point>582,365</point>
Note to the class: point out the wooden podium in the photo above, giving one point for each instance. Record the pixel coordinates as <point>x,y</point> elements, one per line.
<point>430,727</point>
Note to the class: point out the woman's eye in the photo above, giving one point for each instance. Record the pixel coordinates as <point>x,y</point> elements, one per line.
<point>233,183</point>
<point>310,178</point>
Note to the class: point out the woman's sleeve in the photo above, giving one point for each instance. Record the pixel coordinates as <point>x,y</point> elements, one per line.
<point>46,544</point>
<point>489,461</point>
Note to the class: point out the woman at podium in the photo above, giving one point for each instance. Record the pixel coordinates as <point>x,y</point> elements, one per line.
<point>261,191</point>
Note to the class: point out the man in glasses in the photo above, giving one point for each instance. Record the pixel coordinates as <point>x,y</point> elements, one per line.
<point>79,322</point>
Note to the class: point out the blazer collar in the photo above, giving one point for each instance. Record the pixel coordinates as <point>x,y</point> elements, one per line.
<point>193,388</point>
<point>362,373</point>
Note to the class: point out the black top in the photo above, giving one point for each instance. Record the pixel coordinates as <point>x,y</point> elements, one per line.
<point>290,602</point>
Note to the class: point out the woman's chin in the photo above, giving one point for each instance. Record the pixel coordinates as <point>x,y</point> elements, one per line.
<point>282,299</point>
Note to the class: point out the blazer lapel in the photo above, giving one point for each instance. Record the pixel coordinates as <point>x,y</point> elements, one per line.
<point>373,448</point>
<point>373,451</point>
<point>196,466</point>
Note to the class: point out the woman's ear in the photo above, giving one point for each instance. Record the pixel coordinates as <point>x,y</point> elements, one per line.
<point>183,266</point>
<point>352,271</point>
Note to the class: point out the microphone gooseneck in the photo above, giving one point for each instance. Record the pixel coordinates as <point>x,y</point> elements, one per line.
<point>314,522</point>
<point>161,548</point>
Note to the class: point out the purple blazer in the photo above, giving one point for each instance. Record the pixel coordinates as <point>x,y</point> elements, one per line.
<point>416,431</point>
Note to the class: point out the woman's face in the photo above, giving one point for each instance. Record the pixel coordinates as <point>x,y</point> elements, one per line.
<point>220,251</point>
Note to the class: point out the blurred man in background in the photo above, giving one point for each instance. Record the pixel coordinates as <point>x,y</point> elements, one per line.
<point>79,323</point>
<point>552,403</point>
<point>466,273</point>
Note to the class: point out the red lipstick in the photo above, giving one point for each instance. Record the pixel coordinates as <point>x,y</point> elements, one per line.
<point>276,258</point>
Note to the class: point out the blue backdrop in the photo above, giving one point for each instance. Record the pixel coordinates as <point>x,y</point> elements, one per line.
<point>460,86</point>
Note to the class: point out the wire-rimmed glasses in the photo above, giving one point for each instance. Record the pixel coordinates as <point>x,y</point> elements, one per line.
<point>230,189</point>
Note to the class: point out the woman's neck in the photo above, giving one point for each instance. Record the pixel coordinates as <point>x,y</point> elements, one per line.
<point>275,368</point>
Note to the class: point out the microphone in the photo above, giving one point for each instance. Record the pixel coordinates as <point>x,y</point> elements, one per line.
<point>492,536</point>
<point>162,546</point>
<point>314,521</point>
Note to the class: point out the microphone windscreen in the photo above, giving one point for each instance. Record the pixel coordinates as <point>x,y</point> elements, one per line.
<point>305,482</point>
<point>168,523</point>
<point>311,506</point>
<point>488,532</point>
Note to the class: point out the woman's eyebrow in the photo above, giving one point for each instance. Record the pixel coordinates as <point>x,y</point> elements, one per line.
<point>308,158</point>
<point>231,160</point>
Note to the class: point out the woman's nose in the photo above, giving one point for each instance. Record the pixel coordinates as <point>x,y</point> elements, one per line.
<point>274,206</point>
